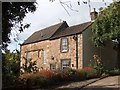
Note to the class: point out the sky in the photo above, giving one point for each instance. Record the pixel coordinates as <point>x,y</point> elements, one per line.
<point>51,13</point>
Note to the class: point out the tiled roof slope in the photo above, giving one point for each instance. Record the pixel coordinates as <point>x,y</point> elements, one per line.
<point>46,33</point>
<point>72,30</point>
<point>56,31</point>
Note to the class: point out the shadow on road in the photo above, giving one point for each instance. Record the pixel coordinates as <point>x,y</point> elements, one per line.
<point>100,88</point>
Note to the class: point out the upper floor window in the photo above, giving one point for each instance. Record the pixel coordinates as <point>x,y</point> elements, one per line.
<point>64,44</point>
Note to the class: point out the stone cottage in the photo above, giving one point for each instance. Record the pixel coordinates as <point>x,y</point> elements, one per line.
<point>60,46</point>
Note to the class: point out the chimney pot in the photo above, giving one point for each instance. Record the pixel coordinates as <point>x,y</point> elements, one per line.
<point>93,14</point>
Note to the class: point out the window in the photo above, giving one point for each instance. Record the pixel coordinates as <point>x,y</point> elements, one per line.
<point>52,66</point>
<point>28,56</point>
<point>64,44</point>
<point>65,64</point>
<point>44,56</point>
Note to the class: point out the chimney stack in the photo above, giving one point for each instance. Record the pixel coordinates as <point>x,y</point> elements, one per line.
<point>93,15</point>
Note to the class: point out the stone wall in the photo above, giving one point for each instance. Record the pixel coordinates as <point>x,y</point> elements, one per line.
<point>53,53</point>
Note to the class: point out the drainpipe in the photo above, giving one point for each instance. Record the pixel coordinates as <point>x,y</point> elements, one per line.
<point>76,51</point>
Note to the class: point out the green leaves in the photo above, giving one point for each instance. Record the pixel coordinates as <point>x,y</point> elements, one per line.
<point>10,67</point>
<point>107,25</point>
<point>13,14</point>
<point>29,67</point>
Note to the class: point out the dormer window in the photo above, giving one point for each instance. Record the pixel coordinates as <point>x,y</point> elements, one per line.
<point>64,44</point>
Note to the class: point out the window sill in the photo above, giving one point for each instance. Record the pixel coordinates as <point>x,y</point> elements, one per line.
<point>44,63</point>
<point>64,51</point>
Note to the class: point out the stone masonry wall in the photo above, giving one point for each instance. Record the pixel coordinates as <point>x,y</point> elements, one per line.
<point>53,53</point>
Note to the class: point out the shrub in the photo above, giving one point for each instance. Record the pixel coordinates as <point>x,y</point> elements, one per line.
<point>114,72</point>
<point>80,74</point>
<point>46,78</point>
<point>46,73</point>
<point>69,74</point>
<point>31,80</point>
<point>90,72</point>
<point>38,81</point>
<point>22,80</point>
<point>98,65</point>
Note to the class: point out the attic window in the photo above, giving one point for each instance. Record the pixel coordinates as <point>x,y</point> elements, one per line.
<point>64,44</point>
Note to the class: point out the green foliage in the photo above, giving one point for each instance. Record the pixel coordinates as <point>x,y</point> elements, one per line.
<point>29,67</point>
<point>10,67</point>
<point>13,14</point>
<point>114,72</point>
<point>98,65</point>
<point>107,25</point>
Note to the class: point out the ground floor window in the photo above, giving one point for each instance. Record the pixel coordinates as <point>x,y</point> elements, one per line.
<point>28,57</point>
<point>44,56</point>
<point>65,63</point>
<point>52,66</point>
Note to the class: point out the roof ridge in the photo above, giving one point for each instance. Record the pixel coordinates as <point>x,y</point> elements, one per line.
<point>42,29</point>
<point>63,23</point>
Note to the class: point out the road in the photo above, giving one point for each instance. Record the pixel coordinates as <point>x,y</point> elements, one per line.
<point>109,83</point>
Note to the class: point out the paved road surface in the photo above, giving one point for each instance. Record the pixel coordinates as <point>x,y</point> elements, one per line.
<point>109,83</point>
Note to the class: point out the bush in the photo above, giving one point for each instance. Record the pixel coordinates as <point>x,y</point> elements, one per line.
<point>90,72</point>
<point>47,77</point>
<point>38,81</point>
<point>46,73</point>
<point>69,74</point>
<point>114,72</point>
<point>33,80</point>
<point>80,74</point>
<point>8,80</point>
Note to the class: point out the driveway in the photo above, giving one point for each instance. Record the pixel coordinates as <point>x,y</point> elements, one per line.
<point>109,83</point>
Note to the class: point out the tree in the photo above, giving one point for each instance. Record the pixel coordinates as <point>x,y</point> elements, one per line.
<point>10,67</point>
<point>107,27</point>
<point>13,14</point>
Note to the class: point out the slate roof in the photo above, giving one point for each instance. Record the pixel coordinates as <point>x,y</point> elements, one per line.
<point>45,34</point>
<point>72,30</point>
<point>56,31</point>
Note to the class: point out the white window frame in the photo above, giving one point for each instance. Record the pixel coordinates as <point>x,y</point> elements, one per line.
<point>52,66</point>
<point>64,44</point>
<point>44,56</point>
<point>28,56</point>
<point>65,63</point>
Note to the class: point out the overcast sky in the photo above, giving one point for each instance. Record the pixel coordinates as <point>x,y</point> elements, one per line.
<point>50,13</point>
